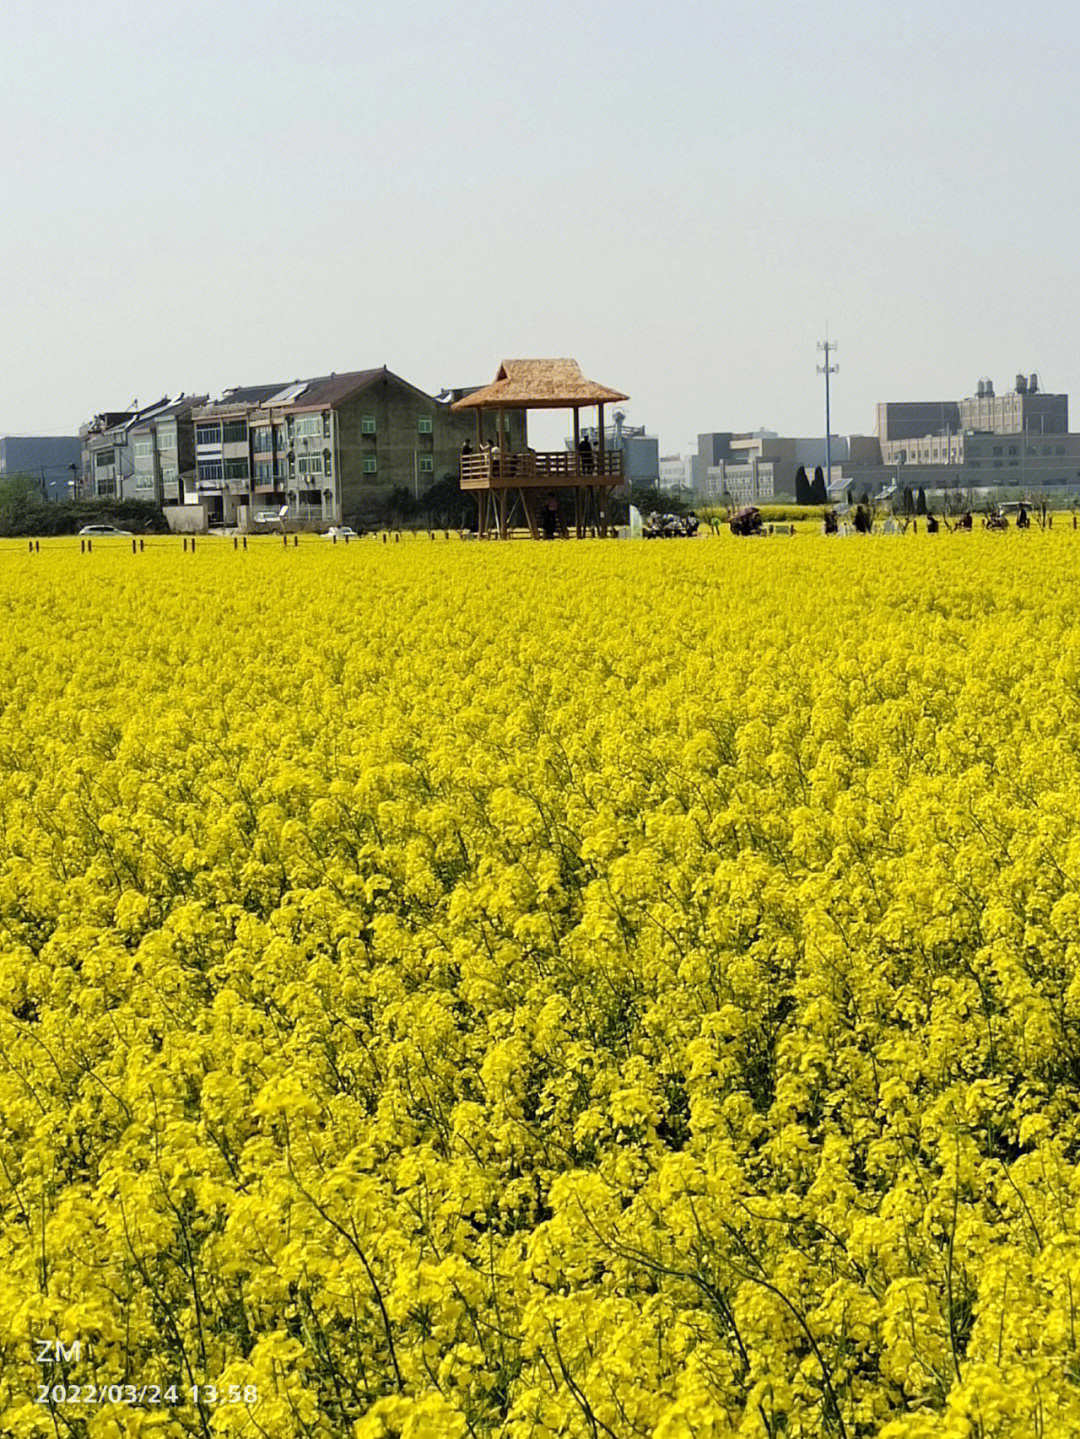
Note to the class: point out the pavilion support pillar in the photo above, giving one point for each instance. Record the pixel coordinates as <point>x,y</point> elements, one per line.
<point>579,524</point>
<point>576,462</point>
<point>530,517</point>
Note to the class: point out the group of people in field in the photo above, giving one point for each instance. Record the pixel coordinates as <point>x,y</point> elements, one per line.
<point>669,527</point>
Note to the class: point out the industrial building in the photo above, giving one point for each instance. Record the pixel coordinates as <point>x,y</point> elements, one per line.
<point>51,461</point>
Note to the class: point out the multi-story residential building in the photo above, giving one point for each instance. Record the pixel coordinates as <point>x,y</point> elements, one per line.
<point>162,444</point>
<point>106,457</point>
<point>139,453</point>
<point>231,432</point>
<point>329,449</point>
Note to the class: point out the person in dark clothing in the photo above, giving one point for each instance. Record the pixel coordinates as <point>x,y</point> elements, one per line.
<point>586,455</point>
<point>550,517</point>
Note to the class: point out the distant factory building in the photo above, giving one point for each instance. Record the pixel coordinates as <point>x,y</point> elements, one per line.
<point>53,461</point>
<point>640,452</point>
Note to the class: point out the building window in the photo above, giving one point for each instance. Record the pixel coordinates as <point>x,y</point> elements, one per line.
<point>280,438</point>
<point>308,425</point>
<point>997,449</point>
<point>144,482</point>
<point>170,475</point>
<point>104,458</point>
<point>143,449</point>
<point>263,472</point>
<point>234,432</point>
<point>236,469</point>
<point>281,469</point>
<point>210,472</point>
<point>310,465</point>
<point>166,439</point>
<point>425,464</point>
<point>367,424</point>
<point>423,425</point>
<point>370,464</point>
<point>208,434</point>
<point>262,441</point>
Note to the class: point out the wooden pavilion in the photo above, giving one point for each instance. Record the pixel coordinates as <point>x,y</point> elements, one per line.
<point>503,480</point>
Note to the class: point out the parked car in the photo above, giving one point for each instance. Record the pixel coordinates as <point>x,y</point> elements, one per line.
<point>341,532</point>
<point>267,517</point>
<point>95,530</point>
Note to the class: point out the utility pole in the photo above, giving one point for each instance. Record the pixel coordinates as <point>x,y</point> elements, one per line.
<point>826,369</point>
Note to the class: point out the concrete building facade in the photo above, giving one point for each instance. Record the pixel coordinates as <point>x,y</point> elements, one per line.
<point>763,466</point>
<point>329,449</point>
<point>139,453</point>
<point>986,441</point>
<point>677,474</point>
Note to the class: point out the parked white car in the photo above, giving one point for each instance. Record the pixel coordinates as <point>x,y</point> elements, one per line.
<point>95,530</point>
<point>340,532</point>
<point>267,517</point>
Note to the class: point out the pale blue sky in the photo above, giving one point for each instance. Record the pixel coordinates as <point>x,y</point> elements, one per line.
<point>679,196</point>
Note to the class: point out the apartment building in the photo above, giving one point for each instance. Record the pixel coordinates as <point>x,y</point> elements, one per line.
<point>326,450</point>
<point>139,453</point>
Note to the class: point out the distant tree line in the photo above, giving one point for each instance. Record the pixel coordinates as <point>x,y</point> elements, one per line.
<point>24,512</point>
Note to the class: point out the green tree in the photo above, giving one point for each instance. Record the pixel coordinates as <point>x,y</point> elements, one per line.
<point>802,487</point>
<point>444,504</point>
<point>818,493</point>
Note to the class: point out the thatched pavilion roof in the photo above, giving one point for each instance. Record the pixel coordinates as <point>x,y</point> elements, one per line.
<point>538,385</point>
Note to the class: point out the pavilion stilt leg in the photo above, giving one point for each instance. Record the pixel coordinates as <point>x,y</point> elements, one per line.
<point>530,517</point>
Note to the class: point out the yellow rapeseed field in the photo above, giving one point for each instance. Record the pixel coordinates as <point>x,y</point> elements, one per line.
<point>588,989</point>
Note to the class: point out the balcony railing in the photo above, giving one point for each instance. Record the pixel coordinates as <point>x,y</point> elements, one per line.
<point>487,469</point>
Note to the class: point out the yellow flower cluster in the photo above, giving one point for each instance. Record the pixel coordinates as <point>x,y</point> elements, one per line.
<point>541,990</point>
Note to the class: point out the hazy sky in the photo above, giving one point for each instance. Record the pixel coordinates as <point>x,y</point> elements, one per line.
<point>679,196</point>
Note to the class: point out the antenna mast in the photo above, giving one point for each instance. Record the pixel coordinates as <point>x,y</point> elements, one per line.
<point>826,369</point>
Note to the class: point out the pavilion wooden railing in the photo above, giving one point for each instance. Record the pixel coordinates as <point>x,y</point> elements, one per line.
<point>488,469</point>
